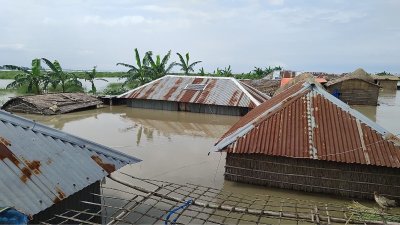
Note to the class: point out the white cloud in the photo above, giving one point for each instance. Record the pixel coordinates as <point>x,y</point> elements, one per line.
<point>343,16</point>
<point>275,2</point>
<point>119,21</point>
<point>16,46</point>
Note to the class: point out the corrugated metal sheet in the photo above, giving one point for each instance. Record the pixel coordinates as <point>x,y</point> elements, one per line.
<point>41,166</point>
<point>223,91</point>
<point>305,121</point>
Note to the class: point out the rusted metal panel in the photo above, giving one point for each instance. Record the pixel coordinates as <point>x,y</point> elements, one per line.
<point>256,112</point>
<point>41,166</point>
<point>305,121</point>
<point>217,91</point>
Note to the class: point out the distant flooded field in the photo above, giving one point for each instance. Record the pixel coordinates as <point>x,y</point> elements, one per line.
<point>174,146</point>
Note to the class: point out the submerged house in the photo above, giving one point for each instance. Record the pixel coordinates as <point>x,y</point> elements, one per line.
<point>214,95</point>
<point>45,171</point>
<point>306,139</point>
<point>356,88</point>
<point>52,104</point>
<point>386,82</point>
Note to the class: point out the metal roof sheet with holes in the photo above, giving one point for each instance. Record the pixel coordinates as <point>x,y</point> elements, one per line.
<point>225,91</point>
<point>41,166</point>
<point>305,121</point>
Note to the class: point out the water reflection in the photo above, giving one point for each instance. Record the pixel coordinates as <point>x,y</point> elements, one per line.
<point>174,146</point>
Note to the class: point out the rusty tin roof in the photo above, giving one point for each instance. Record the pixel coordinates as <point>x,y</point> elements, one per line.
<point>226,91</point>
<point>305,121</point>
<point>41,166</point>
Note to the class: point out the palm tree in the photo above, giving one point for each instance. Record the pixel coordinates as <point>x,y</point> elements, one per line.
<point>160,67</point>
<point>57,75</point>
<point>32,78</point>
<point>91,77</point>
<point>184,64</point>
<point>139,74</point>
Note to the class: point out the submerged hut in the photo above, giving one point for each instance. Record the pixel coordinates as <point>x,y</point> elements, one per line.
<point>52,104</point>
<point>386,82</point>
<point>306,139</point>
<point>45,171</point>
<point>214,95</point>
<point>356,88</point>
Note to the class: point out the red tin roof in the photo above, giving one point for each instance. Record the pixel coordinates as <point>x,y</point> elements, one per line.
<point>305,121</point>
<point>224,91</point>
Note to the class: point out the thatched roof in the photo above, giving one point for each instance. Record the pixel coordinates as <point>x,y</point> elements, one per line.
<point>51,104</point>
<point>359,74</point>
<point>264,85</point>
<point>385,77</point>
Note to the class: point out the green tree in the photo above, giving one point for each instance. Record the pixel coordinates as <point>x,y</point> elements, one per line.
<point>225,72</point>
<point>184,64</point>
<point>259,72</point>
<point>159,67</point>
<point>32,78</point>
<point>58,76</point>
<point>202,72</point>
<point>91,77</point>
<point>139,74</point>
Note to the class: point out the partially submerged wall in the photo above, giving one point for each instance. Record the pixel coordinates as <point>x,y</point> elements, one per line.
<point>343,179</point>
<point>187,107</point>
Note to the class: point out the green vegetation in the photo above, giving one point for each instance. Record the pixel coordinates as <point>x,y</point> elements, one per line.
<point>32,79</point>
<point>225,72</point>
<point>384,73</point>
<point>10,74</point>
<point>258,73</point>
<point>363,213</point>
<point>139,74</point>
<point>117,88</point>
<point>57,77</point>
<point>146,69</point>
<point>184,64</point>
<point>91,77</point>
<point>36,80</point>
<point>54,79</point>
<point>160,67</point>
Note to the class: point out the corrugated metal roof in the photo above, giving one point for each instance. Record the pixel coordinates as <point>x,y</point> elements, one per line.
<point>224,91</point>
<point>41,166</point>
<point>305,121</point>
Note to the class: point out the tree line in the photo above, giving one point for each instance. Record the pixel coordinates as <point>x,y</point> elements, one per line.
<point>38,80</point>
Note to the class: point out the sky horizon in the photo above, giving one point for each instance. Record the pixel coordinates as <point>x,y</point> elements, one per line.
<point>303,35</point>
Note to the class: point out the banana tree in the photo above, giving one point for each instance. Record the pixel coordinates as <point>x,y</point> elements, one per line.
<point>32,78</point>
<point>184,64</point>
<point>57,75</point>
<point>139,74</point>
<point>91,77</point>
<point>160,67</point>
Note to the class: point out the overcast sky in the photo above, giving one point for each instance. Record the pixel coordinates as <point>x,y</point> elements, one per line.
<point>302,35</point>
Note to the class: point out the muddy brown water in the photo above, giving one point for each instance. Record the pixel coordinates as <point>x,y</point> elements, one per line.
<point>174,146</point>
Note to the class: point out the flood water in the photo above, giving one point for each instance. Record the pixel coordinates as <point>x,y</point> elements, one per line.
<point>174,146</point>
